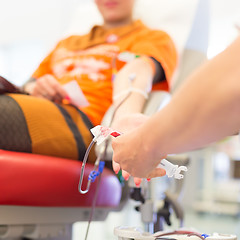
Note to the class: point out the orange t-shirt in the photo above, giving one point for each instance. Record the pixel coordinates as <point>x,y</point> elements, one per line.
<point>89,60</point>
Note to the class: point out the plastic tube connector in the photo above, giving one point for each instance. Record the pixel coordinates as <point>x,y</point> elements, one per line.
<point>92,176</point>
<point>101,133</point>
<point>101,166</point>
<point>171,169</point>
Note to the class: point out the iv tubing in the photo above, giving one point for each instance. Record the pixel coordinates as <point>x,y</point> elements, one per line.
<point>83,168</point>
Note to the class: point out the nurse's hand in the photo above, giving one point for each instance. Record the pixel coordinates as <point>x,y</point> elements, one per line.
<point>48,87</point>
<point>124,153</point>
<point>125,124</point>
<point>132,154</point>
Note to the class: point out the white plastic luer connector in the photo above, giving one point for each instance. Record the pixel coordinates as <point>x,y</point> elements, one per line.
<point>171,169</point>
<point>101,133</point>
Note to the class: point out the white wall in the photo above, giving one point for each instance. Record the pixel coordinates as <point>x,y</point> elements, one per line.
<point>34,19</point>
<point>224,16</point>
<point>28,30</point>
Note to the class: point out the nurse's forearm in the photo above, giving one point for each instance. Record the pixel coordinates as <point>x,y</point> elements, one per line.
<point>205,109</point>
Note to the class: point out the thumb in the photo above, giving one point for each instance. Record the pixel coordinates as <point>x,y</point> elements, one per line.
<point>157,172</point>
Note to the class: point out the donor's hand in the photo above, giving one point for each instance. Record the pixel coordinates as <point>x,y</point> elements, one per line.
<point>48,87</point>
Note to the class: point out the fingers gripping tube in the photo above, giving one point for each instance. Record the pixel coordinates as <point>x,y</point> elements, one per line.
<point>100,134</point>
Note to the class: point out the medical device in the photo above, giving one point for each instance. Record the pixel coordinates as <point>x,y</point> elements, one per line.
<point>134,233</point>
<point>171,169</point>
<point>100,134</point>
